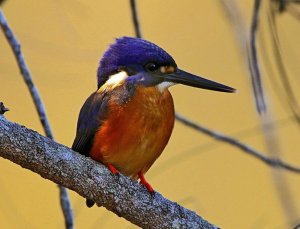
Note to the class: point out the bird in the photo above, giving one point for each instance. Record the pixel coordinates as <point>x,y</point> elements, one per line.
<point>127,122</point>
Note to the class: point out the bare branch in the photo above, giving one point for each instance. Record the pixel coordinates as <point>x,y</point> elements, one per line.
<point>274,162</point>
<point>282,71</point>
<point>66,207</point>
<point>117,193</point>
<point>271,138</point>
<point>16,48</point>
<point>135,19</point>
<point>270,132</point>
<point>253,61</point>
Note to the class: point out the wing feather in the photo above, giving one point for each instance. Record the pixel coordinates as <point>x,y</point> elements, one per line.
<point>92,114</point>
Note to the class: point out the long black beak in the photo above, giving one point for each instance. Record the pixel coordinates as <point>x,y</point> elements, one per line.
<point>189,79</point>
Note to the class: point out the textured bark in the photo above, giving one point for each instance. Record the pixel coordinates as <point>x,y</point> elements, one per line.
<point>117,193</point>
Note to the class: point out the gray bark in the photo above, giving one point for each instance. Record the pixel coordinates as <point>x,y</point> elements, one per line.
<point>118,193</point>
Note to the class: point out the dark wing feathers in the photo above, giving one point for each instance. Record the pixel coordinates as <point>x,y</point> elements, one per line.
<point>91,115</point>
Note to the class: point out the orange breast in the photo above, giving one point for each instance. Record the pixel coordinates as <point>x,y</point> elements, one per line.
<point>135,133</point>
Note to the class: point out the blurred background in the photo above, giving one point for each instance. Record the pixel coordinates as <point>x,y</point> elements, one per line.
<point>62,43</point>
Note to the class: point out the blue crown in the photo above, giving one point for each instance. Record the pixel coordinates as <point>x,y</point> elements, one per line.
<point>133,53</point>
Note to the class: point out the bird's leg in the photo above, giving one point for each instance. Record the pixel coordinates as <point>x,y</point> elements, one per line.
<point>145,183</point>
<point>112,169</point>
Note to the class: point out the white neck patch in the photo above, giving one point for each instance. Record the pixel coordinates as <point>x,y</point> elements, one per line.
<point>114,81</point>
<point>164,85</point>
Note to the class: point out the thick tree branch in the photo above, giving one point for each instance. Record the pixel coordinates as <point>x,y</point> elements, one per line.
<point>16,49</point>
<point>117,193</point>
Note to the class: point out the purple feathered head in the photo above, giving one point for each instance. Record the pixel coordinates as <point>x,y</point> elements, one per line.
<point>130,54</point>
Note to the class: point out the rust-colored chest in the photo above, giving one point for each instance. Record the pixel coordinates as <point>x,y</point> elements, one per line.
<point>136,132</point>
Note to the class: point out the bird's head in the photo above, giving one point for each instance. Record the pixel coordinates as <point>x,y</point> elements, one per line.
<point>137,61</point>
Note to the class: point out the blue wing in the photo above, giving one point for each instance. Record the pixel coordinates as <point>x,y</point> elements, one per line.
<point>91,116</point>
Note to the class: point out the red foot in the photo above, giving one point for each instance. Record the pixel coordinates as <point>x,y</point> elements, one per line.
<point>112,169</point>
<point>145,183</point>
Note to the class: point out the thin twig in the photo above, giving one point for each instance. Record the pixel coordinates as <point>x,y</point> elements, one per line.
<point>271,73</point>
<point>16,48</point>
<point>274,162</point>
<point>66,207</point>
<point>270,132</point>
<point>253,62</point>
<point>247,46</point>
<point>135,19</point>
<point>272,139</point>
<point>283,74</point>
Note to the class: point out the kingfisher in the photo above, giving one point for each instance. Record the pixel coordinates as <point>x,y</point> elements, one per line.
<point>127,122</point>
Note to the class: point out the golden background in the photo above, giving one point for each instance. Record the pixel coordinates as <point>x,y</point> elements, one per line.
<point>62,42</point>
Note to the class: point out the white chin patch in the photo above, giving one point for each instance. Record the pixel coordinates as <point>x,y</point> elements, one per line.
<point>164,85</point>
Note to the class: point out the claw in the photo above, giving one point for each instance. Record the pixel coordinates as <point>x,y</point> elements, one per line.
<point>112,169</point>
<point>145,183</point>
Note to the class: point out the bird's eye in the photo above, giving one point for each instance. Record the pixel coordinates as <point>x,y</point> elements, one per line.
<point>152,67</point>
